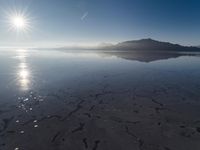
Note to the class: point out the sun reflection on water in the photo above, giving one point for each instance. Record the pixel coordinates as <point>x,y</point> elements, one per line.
<point>23,73</point>
<point>22,65</point>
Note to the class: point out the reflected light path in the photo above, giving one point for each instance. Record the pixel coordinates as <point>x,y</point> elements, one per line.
<point>23,73</point>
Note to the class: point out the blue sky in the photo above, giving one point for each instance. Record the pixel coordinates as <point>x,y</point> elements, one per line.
<point>61,22</point>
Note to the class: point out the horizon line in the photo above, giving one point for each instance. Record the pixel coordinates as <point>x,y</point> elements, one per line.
<point>86,44</point>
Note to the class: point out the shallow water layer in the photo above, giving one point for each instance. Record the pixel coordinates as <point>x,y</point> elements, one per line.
<point>84,100</point>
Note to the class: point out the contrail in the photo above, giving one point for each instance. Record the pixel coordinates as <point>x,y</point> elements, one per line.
<point>84,15</point>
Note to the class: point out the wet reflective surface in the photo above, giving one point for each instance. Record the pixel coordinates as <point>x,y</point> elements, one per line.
<point>82,100</point>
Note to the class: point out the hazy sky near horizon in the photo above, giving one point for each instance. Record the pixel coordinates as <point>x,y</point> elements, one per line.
<point>61,22</point>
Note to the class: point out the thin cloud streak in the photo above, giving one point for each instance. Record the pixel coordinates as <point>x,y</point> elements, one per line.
<point>84,15</point>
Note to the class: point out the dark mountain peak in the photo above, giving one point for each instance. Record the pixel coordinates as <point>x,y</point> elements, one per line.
<point>145,41</point>
<point>153,45</point>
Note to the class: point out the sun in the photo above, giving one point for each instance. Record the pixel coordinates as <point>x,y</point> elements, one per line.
<point>18,22</point>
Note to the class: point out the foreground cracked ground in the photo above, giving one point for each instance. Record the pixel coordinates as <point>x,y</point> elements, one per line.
<point>136,116</point>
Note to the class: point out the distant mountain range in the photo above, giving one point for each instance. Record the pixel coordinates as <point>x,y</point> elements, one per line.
<point>148,45</point>
<point>145,50</point>
<point>142,45</point>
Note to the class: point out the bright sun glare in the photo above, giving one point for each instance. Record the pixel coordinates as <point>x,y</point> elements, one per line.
<point>19,22</point>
